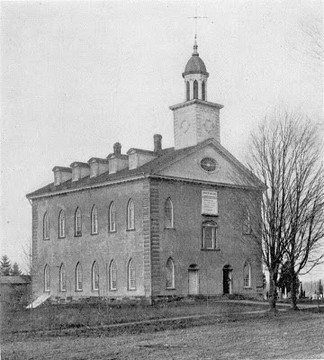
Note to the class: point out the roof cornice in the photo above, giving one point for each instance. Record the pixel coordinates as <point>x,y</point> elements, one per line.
<point>196,101</point>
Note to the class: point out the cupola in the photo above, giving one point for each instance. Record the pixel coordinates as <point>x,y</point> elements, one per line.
<point>195,76</point>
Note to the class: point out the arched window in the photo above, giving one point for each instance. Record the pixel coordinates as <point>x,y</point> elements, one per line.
<point>112,217</point>
<point>46,232</point>
<point>195,89</point>
<point>188,90</point>
<point>168,214</point>
<point>94,220</point>
<point>247,222</point>
<point>247,275</point>
<point>62,278</point>
<point>78,223</point>
<point>209,235</point>
<point>112,275</point>
<point>61,224</point>
<point>78,277</point>
<point>203,90</point>
<point>130,215</point>
<point>131,274</point>
<point>170,274</point>
<point>95,276</point>
<point>47,283</point>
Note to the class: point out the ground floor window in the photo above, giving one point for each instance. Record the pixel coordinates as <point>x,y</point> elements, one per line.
<point>131,275</point>
<point>113,275</point>
<point>247,275</point>
<point>62,278</point>
<point>95,276</point>
<point>46,278</point>
<point>78,278</point>
<point>170,274</point>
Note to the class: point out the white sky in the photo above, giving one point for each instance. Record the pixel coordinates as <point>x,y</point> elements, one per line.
<point>79,76</point>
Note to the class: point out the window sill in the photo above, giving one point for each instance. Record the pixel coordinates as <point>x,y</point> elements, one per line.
<point>113,289</point>
<point>61,237</point>
<point>130,229</point>
<point>78,290</point>
<point>170,288</point>
<point>78,235</point>
<point>247,287</point>
<point>132,289</point>
<point>210,249</point>
<point>63,291</point>
<point>169,228</point>
<point>46,239</point>
<point>94,233</point>
<point>112,231</point>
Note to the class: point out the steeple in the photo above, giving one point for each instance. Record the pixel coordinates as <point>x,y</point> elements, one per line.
<point>195,119</point>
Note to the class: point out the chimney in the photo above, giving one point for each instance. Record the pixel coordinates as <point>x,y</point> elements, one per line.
<point>117,149</point>
<point>157,143</point>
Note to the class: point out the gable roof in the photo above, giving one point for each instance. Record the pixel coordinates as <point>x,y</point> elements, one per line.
<point>166,158</point>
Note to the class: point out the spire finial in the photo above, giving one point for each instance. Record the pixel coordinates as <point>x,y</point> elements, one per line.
<point>195,47</point>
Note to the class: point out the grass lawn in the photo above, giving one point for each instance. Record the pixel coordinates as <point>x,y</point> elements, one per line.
<point>288,335</point>
<point>83,315</point>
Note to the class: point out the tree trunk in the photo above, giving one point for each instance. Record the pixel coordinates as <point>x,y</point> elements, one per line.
<point>293,289</point>
<point>272,293</point>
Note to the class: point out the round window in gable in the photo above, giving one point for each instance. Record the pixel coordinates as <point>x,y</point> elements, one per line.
<point>208,164</point>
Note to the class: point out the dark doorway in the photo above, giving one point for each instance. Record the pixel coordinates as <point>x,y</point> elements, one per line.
<point>227,279</point>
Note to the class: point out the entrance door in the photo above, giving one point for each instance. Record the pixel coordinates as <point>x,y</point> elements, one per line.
<point>227,279</point>
<point>193,282</point>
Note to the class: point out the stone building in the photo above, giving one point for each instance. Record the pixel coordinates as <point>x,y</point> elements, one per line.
<point>164,222</point>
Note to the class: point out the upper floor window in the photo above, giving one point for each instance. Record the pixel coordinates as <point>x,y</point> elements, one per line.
<point>112,217</point>
<point>94,220</point>
<point>61,224</point>
<point>113,275</point>
<point>188,90</point>
<point>131,274</point>
<point>130,215</point>
<point>247,275</point>
<point>195,89</point>
<point>46,278</point>
<point>168,214</point>
<point>170,274</point>
<point>78,277</point>
<point>78,223</point>
<point>209,235</point>
<point>62,278</point>
<point>95,276</point>
<point>247,223</point>
<point>46,230</point>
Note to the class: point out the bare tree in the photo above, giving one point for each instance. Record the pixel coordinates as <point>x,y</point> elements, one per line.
<point>313,30</point>
<point>282,144</point>
<point>304,230</point>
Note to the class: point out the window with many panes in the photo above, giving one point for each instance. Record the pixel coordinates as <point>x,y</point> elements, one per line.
<point>78,223</point>
<point>112,217</point>
<point>130,215</point>
<point>209,235</point>
<point>247,275</point>
<point>170,274</point>
<point>61,224</point>
<point>131,275</point>
<point>46,231</point>
<point>62,278</point>
<point>247,223</point>
<point>94,220</point>
<point>95,276</point>
<point>78,277</point>
<point>168,214</point>
<point>113,276</point>
<point>46,278</point>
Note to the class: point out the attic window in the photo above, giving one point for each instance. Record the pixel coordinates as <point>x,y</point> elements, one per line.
<point>208,164</point>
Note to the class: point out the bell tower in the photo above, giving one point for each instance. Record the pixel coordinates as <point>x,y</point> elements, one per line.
<point>195,119</point>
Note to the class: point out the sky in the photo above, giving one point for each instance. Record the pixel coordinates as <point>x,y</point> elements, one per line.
<point>76,77</point>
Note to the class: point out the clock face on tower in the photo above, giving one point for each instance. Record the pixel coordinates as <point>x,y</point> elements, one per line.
<point>208,125</point>
<point>184,125</point>
<point>208,164</point>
